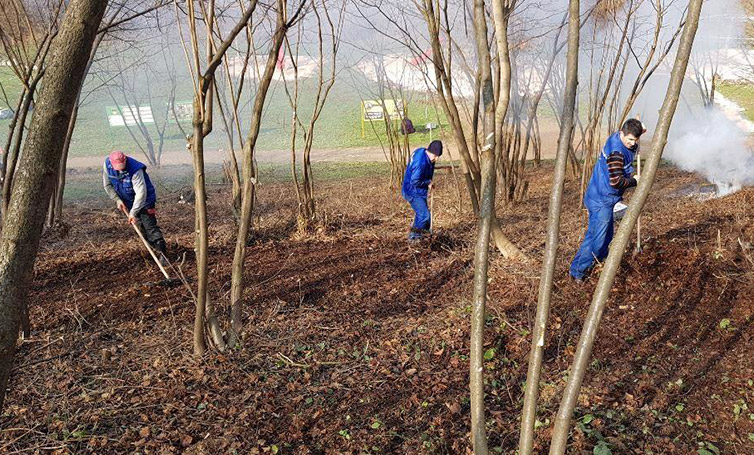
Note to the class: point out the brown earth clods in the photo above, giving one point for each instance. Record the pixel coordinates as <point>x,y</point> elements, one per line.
<point>357,343</point>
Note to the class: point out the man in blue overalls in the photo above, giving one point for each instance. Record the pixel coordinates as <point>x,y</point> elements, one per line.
<point>610,178</point>
<point>127,183</point>
<point>417,183</point>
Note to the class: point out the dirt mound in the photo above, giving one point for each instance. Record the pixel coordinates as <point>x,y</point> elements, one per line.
<point>356,342</point>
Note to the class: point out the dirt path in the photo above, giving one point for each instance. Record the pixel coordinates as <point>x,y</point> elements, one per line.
<point>549,134</point>
<point>360,154</point>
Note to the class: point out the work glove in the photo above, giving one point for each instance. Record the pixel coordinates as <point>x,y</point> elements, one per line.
<point>636,177</point>
<point>121,206</point>
<point>131,219</point>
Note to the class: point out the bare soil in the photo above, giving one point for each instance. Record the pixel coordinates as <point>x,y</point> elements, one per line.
<point>356,342</point>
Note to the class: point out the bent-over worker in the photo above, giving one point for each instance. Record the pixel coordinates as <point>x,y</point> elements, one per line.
<point>417,182</point>
<point>127,183</point>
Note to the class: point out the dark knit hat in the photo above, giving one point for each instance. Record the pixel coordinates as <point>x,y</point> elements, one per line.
<point>435,148</point>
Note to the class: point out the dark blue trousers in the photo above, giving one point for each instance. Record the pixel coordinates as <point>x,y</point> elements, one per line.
<point>598,236</point>
<point>422,219</point>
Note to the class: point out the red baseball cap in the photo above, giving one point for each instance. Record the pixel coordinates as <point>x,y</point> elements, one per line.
<point>118,160</point>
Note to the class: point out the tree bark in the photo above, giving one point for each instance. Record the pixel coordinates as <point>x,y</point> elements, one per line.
<point>10,168</point>
<point>36,174</point>
<point>249,177</point>
<point>56,202</point>
<point>200,212</point>
<point>469,167</point>
<point>486,216</point>
<point>618,247</point>
<point>529,413</point>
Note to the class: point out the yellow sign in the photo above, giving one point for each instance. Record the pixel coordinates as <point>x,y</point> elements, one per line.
<point>377,109</point>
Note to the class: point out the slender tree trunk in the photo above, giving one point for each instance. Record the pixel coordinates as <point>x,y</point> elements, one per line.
<point>469,167</point>
<point>529,413</point>
<point>10,169</point>
<point>200,209</point>
<point>36,175</point>
<point>249,177</point>
<point>56,203</point>
<point>11,130</point>
<point>622,238</point>
<point>486,215</point>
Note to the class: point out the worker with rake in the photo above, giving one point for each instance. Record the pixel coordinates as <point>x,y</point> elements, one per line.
<point>417,183</point>
<point>612,175</point>
<point>127,183</point>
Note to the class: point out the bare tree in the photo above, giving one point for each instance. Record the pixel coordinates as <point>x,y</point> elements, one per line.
<point>622,238</point>
<point>201,127</point>
<point>117,17</point>
<point>204,81</point>
<point>651,62</point>
<point>283,22</point>
<point>437,18</point>
<point>228,103</point>
<point>395,146</point>
<point>25,39</point>
<point>492,119</point>
<point>529,412</point>
<point>36,174</point>
<point>328,33</point>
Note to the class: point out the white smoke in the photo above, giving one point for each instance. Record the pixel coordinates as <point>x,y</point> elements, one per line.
<point>714,146</point>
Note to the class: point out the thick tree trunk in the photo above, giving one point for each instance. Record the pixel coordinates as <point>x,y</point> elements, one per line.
<point>36,173</point>
<point>529,413</point>
<point>618,246</point>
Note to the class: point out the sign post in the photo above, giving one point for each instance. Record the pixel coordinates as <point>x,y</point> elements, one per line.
<point>372,110</point>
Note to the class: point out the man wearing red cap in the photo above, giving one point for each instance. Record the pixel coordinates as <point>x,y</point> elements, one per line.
<point>127,183</point>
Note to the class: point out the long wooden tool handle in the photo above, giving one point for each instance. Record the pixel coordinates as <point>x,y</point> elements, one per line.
<point>149,248</point>
<point>638,169</point>
<point>638,221</point>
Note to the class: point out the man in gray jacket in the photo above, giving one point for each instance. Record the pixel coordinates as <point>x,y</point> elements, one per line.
<point>127,183</point>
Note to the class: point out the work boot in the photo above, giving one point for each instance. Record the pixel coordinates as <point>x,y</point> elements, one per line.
<point>415,235</point>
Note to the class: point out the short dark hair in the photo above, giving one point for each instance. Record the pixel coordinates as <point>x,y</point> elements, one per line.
<point>633,127</point>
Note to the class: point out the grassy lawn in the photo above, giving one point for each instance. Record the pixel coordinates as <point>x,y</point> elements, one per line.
<point>741,94</point>
<point>86,185</point>
<point>338,126</point>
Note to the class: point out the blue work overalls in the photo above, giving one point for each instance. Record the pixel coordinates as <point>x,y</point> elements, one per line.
<point>600,198</point>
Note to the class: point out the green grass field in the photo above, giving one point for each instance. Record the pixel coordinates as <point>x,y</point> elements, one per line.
<point>339,125</point>
<point>83,186</point>
<point>741,94</point>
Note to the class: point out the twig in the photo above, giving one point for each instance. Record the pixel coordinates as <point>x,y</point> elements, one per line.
<point>28,430</point>
<point>37,362</point>
<point>45,346</point>
<point>292,363</point>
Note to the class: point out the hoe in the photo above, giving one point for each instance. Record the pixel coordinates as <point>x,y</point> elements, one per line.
<point>167,282</point>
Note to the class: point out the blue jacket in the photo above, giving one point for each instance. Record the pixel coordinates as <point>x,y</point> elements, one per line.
<point>418,175</point>
<point>121,181</point>
<point>599,193</point>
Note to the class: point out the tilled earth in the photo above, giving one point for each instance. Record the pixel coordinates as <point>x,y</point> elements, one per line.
<point>356,343</point>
